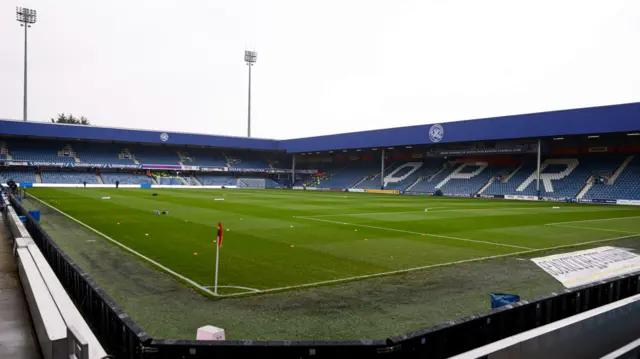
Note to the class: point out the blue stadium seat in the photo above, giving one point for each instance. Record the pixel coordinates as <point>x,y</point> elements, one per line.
<point>38,151</point>
<point>626,186</point>
<point>203,157</point>
<point>103,153</point>
<point>238,159</point>
<point>67,177</point>
<point>566,187</point>
<point>125,178</point>
<point>216,180</point>
<point>18,176</point>
<point>158,155</point>
<point>349,174</point>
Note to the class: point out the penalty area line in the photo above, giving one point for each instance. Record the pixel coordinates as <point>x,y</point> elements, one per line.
<point>130,250</point>
<point>445,264</point>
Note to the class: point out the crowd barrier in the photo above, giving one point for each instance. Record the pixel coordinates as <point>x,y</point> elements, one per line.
<point>586,335</point>
<point>629,351</point>
<point>59,327</point>
<point>124,339</point>
<point>111,326</point>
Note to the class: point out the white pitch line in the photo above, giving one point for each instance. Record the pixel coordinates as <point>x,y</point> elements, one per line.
<point>407,270</point>
<point>175,274</point>
<point>424,234</point>
<point>484,209</point>
<point>595,220</point>
<point>364,213</point>
<point>590,228</point>
<point>254,290</point>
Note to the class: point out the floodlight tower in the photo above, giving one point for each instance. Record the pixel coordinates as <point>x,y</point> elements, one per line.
<point>25,17</point>
<point>250,58</point>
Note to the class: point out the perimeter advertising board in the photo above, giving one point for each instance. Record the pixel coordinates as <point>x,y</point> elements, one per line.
<point>579,268</point>
<point>385,191</point>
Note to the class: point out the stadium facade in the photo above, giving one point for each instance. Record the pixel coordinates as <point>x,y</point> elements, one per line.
<point>587,154</point>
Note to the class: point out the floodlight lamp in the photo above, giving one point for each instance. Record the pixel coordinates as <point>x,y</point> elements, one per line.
<point>26,16</point>
<point>250,57</point>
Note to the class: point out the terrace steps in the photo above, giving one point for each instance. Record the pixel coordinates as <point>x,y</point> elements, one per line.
<point>489,182</point>
<point>620,169</point>
<point>507,178</point>
<point>586,188</point>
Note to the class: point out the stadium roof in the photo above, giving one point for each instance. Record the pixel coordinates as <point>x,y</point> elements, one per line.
<point>594,120</point>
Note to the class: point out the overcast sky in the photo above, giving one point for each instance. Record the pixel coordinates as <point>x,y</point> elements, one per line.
<point>323,66</point>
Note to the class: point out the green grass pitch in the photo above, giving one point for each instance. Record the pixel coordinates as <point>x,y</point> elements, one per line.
<point>276,240</point>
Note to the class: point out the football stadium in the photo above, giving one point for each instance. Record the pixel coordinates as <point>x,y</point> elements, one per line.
<point>306,247</point>
<point>421,179</point>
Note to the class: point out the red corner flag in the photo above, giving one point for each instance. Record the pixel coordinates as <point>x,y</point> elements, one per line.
<point>215,286</point>
<point>219,234</point>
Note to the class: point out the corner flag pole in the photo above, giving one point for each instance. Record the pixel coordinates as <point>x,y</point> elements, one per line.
<point>218,244</point>
<point>215,287</point>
